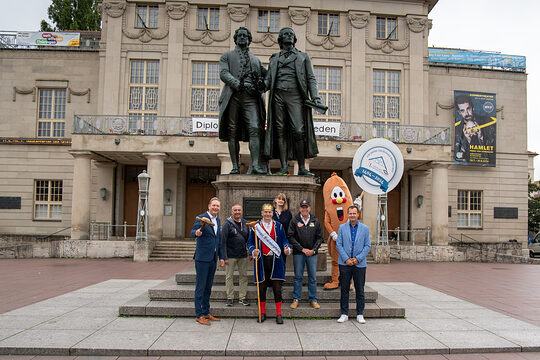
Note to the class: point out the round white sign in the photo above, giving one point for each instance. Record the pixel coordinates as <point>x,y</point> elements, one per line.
<point>377,166</point>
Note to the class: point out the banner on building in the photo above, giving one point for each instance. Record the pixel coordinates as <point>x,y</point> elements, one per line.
<point>454,56</point>
<point>326,128</point>
<point>47,38</point>
<point>475,125</point>
<point>204,124</point>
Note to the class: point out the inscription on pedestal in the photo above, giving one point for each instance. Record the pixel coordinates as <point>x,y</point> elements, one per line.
<point>252,207</point>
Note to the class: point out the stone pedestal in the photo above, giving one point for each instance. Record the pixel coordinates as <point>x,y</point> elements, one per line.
<point>232,189</point>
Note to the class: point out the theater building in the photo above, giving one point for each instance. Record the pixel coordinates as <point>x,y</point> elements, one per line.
<point>79,124</point>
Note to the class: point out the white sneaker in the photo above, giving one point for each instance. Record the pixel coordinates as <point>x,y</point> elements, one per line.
<point>342,318</point>
<point>360,319</point>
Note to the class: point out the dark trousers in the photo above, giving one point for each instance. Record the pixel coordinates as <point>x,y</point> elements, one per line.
<point>359,277</point>
<point>287,108</point>
<point>243,112</point>
<point>203,286</point>
<point>268,262</point>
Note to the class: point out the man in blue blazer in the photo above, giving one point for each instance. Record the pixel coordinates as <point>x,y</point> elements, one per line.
<point>207,252</point>
<point>353,246</point>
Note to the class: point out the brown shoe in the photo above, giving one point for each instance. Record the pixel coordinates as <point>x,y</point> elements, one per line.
<point>294,304</point>
<point>211,317</point>
<point>201,320</point>
<point>315,305</point>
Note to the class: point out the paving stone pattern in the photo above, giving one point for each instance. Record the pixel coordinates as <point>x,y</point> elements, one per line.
<point>84,323</point>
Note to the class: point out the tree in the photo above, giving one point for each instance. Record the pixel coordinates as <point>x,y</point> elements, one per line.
<point>534,207</point>
<point>72,15</point>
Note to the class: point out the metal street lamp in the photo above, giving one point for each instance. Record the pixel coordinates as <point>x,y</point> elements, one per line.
<point>142,211</point>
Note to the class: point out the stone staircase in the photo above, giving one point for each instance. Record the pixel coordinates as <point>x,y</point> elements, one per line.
<point>174,297</point>
<point>173,250</point>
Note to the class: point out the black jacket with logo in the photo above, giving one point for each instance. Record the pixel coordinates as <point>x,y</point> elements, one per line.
<point>233,241</point>
<point>305,236</point>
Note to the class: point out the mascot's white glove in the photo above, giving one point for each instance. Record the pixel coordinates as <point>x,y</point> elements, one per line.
<point>358,202</point>
<point>333,235</point>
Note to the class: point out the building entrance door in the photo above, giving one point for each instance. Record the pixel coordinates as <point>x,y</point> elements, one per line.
<point>199,191</point>
<point>131,197</point>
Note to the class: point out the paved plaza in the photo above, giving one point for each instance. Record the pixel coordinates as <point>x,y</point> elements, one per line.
<point>69,308</point>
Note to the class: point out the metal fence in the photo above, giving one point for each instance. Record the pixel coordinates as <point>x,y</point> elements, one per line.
<point>105,230</point>
<point>410,235</point>
<point>182,126</point>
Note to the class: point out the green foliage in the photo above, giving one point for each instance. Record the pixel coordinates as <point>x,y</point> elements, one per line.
<point>534,208</point>
<point>72,15</point>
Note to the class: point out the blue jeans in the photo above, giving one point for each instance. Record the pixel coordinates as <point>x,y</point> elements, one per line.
<point>299,262</point>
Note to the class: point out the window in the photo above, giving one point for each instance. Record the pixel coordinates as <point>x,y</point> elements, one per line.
<point>205,89</point>
<point>328,22</point>
<point>469,211</point>
<point>48,200</point>
<point>147,16</point>
<point>52,113</point>
<point>386,103</point>
<point>143,95</point>
<point>268,21</point>
<point>208,19</point>
<point>329,85</point>
<point>386,28</point>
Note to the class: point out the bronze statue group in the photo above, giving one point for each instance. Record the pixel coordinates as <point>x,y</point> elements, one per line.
<point>287,133</point>
<point>266,243</point>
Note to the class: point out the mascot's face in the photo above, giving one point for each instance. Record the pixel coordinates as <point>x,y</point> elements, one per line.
<point>337,198</point>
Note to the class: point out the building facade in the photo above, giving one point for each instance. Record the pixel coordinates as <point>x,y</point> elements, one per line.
<point>79,126</point>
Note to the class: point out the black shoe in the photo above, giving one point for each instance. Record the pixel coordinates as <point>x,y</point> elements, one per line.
<point>279,320</point>
<point>305,172</point>
<point>244,302</point>
<point>263,317</point>
<point>235,171</point>
<point>229,302</point>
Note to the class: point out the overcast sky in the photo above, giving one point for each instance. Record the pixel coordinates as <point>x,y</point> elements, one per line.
<point>494,25</point>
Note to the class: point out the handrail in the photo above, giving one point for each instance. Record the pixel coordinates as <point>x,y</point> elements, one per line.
<point>426,230</point>
<point>184,126</point>
<point>54,233</point>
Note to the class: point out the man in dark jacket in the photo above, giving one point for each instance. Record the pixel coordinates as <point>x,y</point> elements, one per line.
<point>234,235</point>
<point>305,236</point>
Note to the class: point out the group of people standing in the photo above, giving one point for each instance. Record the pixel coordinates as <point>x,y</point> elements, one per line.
<point>268,242</point>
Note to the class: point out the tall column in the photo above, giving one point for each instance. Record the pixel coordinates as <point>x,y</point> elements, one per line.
<point>155,194</point>
<point>359,21</point>
<point>181,201</point>
<point>226,163</point>
<point>170,183</point>
<point>439,203</point>
<point>175,48</point>
<point>80,203</point>
<point>418,211</point>
<point>105,175</point>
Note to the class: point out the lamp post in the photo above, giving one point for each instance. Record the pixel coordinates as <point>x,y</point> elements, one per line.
<point>142,211</point>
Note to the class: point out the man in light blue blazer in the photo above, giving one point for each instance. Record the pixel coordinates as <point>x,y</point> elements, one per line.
<point>207,252</point>
<point>353,246</point>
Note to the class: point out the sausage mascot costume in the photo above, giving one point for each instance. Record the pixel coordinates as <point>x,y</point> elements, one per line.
<point>337,198</point>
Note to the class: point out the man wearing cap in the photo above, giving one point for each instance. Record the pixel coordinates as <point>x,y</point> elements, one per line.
<point>305,236</point>
<point>269,240</point>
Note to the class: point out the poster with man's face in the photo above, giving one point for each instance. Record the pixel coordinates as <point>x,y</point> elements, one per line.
<point>475,127</point>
